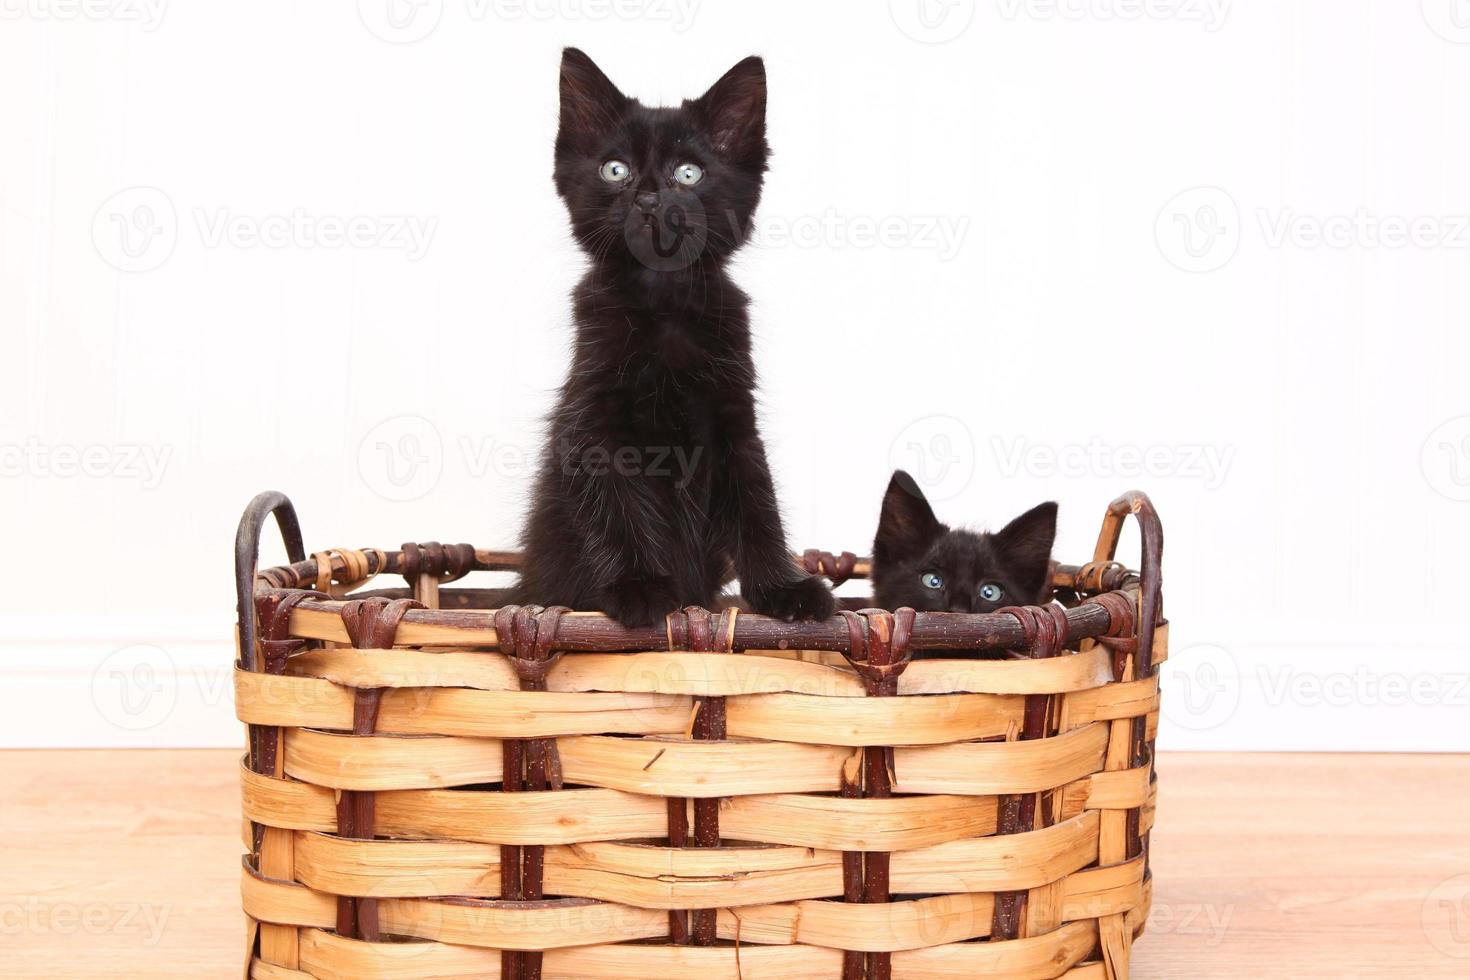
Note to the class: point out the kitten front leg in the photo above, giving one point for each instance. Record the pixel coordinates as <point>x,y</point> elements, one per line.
<point>624,529</point>
<point>747,513</point>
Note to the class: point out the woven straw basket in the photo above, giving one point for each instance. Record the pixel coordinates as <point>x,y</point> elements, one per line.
<point>437,787</point>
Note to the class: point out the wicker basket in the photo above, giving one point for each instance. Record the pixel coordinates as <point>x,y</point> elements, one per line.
<point>437,787</point>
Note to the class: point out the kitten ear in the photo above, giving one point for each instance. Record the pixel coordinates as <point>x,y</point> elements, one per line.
<point>907,525</point>
<point>733,113</point>
<point>590,103</point>
<point>1026,545</point>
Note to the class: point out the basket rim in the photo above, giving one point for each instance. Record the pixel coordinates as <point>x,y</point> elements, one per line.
<point>588,631</point>
<point>585,631</point>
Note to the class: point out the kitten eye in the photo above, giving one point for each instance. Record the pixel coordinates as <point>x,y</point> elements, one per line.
<point>931,580</point>
<point>688,174</point>
<point>991,592</point>
<point>615,171</point>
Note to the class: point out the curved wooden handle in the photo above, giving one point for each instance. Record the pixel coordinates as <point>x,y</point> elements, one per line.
<point>247,554</point>
<point>1150,592</point>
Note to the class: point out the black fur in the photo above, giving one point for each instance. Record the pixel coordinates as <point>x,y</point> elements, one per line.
<point>912,544</point>
<point>655,486</point>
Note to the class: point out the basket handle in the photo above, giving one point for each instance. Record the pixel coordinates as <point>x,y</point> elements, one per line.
<point>247,554</point>
<point>1150,589</point>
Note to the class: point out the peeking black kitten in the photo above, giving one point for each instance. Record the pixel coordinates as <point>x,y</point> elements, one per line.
<point>654,486</point>
<point>922,563</point>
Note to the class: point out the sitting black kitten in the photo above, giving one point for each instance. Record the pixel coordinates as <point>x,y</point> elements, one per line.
<point>922,563</point>
<point>655,486</point>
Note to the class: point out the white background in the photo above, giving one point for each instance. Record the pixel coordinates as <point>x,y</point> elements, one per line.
<point>1015,246</point>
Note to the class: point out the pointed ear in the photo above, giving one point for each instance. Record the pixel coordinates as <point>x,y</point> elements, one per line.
<point>590,103</point>
<point>907,525</point>
<point>1026,545</point>
<point>733,113</point>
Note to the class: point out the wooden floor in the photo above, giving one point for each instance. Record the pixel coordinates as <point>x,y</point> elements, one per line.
<point>126,864</point>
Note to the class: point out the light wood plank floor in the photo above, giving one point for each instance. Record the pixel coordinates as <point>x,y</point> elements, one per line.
<point>126,864</point>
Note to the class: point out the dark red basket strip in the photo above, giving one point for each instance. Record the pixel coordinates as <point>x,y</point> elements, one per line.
<point>371,624</point>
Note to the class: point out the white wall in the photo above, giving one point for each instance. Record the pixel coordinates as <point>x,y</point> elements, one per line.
<point>1107,228</point>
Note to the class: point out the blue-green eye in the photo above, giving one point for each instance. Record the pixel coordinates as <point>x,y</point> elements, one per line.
<point>615,171</point>
<point>931,580</point>
<point>688,174</point>
<point>991,592</point>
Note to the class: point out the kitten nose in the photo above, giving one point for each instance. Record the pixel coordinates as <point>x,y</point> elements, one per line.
<point>647,202</point>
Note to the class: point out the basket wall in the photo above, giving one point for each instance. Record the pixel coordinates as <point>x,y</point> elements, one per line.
<point>439,792</point>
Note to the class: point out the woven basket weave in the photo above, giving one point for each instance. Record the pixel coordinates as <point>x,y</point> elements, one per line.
<point>437,787</point>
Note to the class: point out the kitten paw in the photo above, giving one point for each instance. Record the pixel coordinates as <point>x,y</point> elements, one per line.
<point>805,598</point>
<point>640,601</point>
